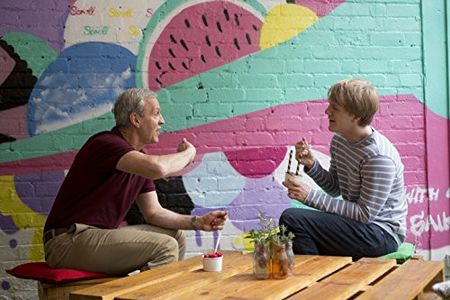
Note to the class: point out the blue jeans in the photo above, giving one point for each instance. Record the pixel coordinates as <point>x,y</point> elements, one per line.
<point>320,233</point>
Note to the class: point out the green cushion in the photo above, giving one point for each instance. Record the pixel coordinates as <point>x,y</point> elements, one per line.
<point>404,252</point>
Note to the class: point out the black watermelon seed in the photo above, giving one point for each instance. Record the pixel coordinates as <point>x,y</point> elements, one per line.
<point>204,20</point>
<point>255,28</point>
<point>219,27</point>
<point>236,19</point>
<point>183,43</point>
<point>227,16</point>
<point>158,81</point>
<point>186,22</point>
<point>171,66</point>
<point>218,51</point>
<point>203,58</point>
<point>171,53</point>
<point>236,43</point>
<point>158,65</point>
<point>249,40</point>
<point>207,40</point>
<point>173,39</point>
<point>184,65</point>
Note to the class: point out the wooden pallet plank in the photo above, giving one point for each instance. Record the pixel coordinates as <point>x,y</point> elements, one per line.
<point>246,286</point>
<point>232,265</point>
<point>49,291</point>
<point>111,289</point>
<point>407,281</point>
<point>348,281</point>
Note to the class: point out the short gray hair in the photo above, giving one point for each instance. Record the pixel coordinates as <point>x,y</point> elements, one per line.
<point>130,101</point>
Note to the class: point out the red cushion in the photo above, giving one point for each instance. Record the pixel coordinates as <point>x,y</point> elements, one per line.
<point>42,272</point>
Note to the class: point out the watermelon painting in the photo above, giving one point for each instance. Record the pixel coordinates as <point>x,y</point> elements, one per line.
<point>199,38</point>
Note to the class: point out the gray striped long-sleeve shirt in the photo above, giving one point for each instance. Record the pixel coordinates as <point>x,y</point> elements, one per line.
<point>369,176</point>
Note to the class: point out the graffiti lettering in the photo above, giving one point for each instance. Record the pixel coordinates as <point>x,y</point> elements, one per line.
<point>115,13</point>
<point>133,30</point>
<point>75,11</point>
<point>420,225</point>
<point>433,194</point>
<point>102,30</point>
<point>418,195</point>
<point>149,12</point>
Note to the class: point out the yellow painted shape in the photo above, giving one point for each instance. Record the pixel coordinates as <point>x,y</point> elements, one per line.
<point>23,216</point>
<point>283,22</point>
<point>243,243</point>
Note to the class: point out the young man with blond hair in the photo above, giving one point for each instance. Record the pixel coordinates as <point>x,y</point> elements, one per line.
<point>365,170</point>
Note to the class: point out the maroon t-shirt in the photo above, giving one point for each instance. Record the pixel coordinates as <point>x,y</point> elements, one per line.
<point>94,192</point>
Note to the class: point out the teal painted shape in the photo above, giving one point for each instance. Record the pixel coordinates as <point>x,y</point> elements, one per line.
<point>38,146</point>
<point>435,60</point>
<point>35,51</point>
<point>311,52</point>
<point>316,43</point>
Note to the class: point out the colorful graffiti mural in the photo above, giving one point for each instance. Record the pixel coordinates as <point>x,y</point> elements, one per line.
<point>242,80</point>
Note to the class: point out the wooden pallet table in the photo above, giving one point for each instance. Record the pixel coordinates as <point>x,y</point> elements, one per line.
<point>315,277</point>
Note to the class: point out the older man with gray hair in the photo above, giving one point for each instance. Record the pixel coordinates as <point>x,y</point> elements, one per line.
<point>109,174</point>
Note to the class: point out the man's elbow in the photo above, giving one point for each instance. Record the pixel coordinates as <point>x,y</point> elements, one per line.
<point>157,171</point>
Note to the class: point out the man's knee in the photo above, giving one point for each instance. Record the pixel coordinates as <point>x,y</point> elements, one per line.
<point>180,236</point>
<point>288,216</point>
<point>296,217</point>
<point>168,251</point>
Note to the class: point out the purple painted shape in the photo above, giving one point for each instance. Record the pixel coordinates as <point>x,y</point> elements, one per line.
<point>38,191</point>
<point>198,238</point>
<point>7,224</point>
<point>13,121</point>
<point>261,194</point>
<point>6,285</point>
<point>13,243</point>
<point>45,19</point>
<point>6,65</point>
<point>320,7</point>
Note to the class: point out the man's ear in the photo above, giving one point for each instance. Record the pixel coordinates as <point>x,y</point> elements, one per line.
<point>356,119</point>
<point>134,120</point>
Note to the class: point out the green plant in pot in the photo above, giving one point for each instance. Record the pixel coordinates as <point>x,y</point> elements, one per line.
<point>269,257</point>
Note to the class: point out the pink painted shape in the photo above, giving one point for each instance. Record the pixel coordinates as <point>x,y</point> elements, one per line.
<point>248,161</point>
<point>320,7</point>
<point>397,119</point>
<point>6,65</point>
<point>231,32</point>
<point>60,161</point>
<point>439,174</point>
<point>13,122</point>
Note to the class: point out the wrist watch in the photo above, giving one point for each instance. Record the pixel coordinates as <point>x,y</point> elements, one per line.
<point>195,222</point>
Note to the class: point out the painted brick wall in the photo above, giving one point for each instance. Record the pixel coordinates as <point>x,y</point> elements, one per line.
<point>243,84</point>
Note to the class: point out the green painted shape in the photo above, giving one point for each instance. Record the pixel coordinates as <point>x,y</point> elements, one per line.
<point>32,49</point>
<point>405,251</point>
<point>305,49</point>
<point>435,59</point>
<point>239,75</point>
<point>61,140</point>
<point>160,14</point>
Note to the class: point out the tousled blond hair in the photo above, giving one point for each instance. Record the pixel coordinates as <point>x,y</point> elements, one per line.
<point>356,96</point>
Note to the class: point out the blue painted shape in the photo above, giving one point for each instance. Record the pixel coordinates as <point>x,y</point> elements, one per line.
<point>81,84</point>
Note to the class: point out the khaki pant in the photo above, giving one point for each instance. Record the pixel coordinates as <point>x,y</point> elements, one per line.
<point>115,251</point>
